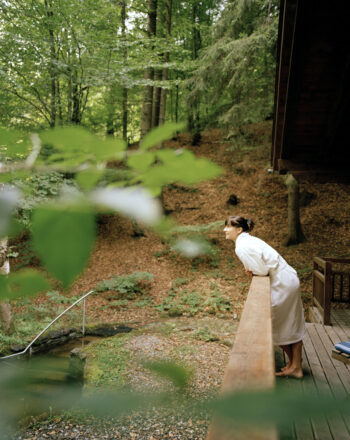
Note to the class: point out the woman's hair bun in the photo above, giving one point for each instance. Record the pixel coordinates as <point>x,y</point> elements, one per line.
<point>250,224</point>
<point>238,221</point>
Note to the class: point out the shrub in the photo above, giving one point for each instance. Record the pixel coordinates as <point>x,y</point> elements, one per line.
<point>127,286</point>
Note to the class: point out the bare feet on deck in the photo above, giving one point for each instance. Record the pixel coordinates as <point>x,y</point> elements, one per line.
<point>285,368</point>
<point>291,372</point>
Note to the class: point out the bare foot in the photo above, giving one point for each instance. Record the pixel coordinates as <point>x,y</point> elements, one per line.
<point>291,372</point>
<point>285,368</point>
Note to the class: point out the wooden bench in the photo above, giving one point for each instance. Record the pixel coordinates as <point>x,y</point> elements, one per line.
<point>251,365</point>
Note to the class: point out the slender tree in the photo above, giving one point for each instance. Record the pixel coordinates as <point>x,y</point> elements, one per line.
<point>125,59</point>
<point>146,115</point>
<point>165,72</point>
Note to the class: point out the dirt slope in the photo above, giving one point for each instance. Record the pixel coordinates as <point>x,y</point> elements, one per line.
<point>262,196</point>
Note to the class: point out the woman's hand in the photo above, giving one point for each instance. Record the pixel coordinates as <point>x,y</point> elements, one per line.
<point>249,272</point>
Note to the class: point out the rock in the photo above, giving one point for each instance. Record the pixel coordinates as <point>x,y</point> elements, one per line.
<point>108,330</point>
<point>17,348</point>
<point>59,333</point>
<point>233,200</point>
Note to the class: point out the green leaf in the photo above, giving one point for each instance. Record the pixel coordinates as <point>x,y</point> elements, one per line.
<point>179,375</point>
<point>167,156</point>
<point>88,178</point>
<point>27,282</point>
<point>141,161</point>
<point>160,134</point>
<point>164,226</point>
<point>63,237</point>
<point>77,145</point>
<point>16,228</point>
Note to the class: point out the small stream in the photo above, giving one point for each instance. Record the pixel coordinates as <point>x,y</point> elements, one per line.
<point>65,350</point>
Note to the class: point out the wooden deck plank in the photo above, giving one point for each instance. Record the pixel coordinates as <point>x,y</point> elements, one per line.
<point>304,430</point>
<point>285,432</point>
<point>325,356</point>
<point>317,382</point>
<point>339,323</point>
<point>336,423</point>
<point>338,366</point>
<point>329,338</point>
<point>341,336</point>
<point>341,318</point>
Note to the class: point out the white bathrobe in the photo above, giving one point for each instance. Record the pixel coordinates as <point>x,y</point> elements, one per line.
<point>288,322</point>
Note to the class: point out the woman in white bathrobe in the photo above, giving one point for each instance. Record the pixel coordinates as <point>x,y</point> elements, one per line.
<point>259,258</point>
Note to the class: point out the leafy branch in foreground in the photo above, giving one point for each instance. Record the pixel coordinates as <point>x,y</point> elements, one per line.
<point>63,231</point>
<point>239,409</point>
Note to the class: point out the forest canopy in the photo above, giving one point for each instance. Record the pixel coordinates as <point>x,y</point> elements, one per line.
<point>124,67</point>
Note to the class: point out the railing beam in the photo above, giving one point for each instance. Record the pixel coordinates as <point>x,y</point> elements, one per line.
<point>251,365</point>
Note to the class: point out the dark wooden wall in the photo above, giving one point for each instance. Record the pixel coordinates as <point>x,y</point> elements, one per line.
<point>312,102</point>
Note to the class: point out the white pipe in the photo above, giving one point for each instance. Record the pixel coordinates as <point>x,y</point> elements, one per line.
<point>48,326</point>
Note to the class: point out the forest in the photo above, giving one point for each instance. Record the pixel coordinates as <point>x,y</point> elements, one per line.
<point>129,131</point>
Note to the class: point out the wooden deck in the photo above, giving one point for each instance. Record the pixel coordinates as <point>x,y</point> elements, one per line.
<point>323,373</point>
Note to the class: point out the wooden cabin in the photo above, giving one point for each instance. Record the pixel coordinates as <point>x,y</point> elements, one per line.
<point>310,141</point>
<point>312,98</point>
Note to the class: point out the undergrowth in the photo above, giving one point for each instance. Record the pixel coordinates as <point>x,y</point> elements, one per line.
<point>31,318</point>
<point>184,302</point>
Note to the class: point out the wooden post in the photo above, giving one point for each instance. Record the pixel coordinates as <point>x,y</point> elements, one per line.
<point>327,293</point>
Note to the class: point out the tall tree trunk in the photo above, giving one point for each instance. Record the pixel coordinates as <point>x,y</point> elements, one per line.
<point>52,67</point>
<point>295,233</point>
<point>156,100</point>
<point>177,103</point>
<point>162,110</point>
<point>171,105</point>
<point>110,104</point>
<point>146,116</point>
<point>76,98</point>
<point>69,90</point>
<point>125,90</point>
<point>194,120</point>
<point>59,102</point>
<point>125,114</point>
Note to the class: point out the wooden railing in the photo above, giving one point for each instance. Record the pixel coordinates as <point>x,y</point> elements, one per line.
<point>251,365</point>
<point>329,285</point>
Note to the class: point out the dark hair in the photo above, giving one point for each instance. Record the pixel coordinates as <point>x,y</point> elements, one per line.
<point>246,224</point>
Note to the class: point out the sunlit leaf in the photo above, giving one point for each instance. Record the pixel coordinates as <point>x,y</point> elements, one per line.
<point>164,226</point>
<point>76,145</point>
<point>136,203</point>
<point>176,373</point>
<point>266,407</point>
<point>63,237</point>
<point>180,166</point>
<point>15,228</point>
<point>159,176</point>
<point>161,133</point>
<point>21,284</point>
<point>168,156</point>
<point>141,161</point>
<point>88,178</point>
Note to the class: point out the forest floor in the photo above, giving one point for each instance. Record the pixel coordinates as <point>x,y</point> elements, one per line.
<point>190,311</point>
